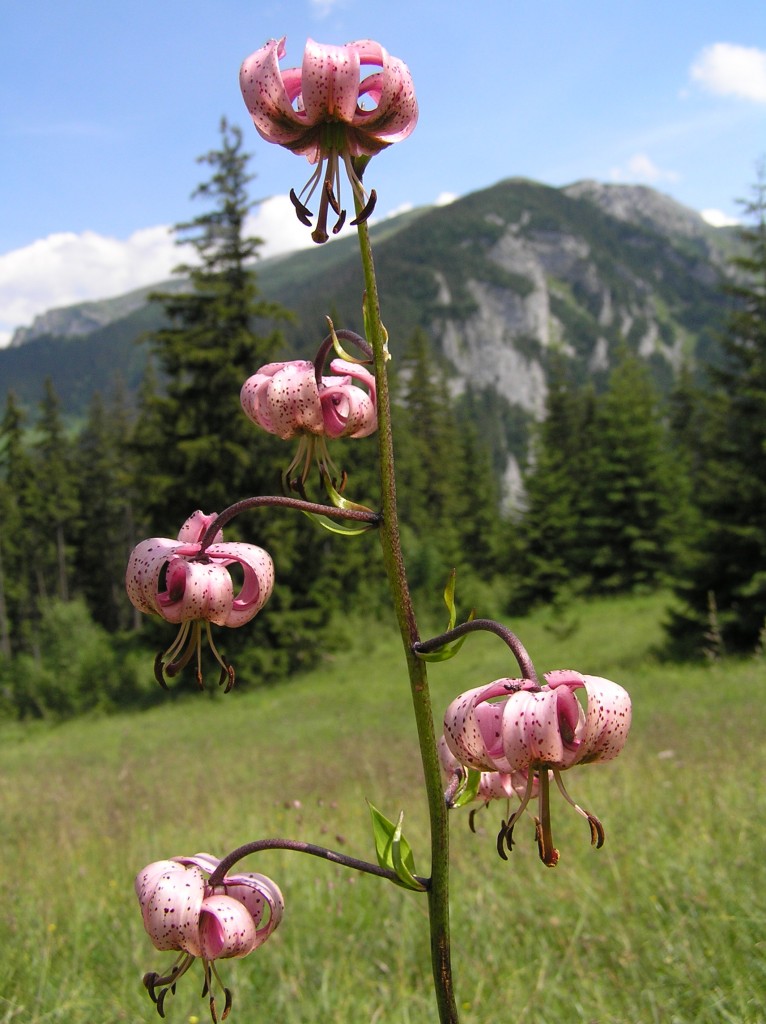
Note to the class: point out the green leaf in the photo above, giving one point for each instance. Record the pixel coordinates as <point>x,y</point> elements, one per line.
<point>469,789</point>
<point>348,528</point>
<point>336,497</point>
<point>339,349</point>
<point>449,598</point>
<point>393,851</point>
<point>369,327</point>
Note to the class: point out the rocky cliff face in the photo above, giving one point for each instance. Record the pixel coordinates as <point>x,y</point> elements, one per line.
<point>499,280</point>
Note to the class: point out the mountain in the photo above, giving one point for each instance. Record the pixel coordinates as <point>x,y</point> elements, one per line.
<point>498,279</point>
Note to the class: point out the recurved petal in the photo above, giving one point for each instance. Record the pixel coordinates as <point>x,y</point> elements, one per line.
<point>171,900</point>
<point>147,879</point>
<point>205,861</point>
<point>195,527</point>
<point>268,95</point>
<point>329,82</point>
<point>395,114</point>
<point>542,728</point>
<point>196,590</point>
<point>607,720</point>
<point>348,410</point>
<point>142,575</point>
<point>226,928</point>
<point>258,570</point>
<point>472,736</point>
<point>253,396</point>
<point>289,402</point>
<point>256,892</point>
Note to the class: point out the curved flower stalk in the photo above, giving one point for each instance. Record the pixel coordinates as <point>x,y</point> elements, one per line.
<point>183,912</point>
<point>293,399</point>
<point>183,584</point>
<point>327,112</point>
<point>514,725</point>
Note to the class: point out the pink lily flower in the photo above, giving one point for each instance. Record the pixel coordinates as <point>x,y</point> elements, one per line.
<point>328,113</point>
<point>514,725</point>
<point>177,581</point>
<point>183,913</point>
<point>289,399</point>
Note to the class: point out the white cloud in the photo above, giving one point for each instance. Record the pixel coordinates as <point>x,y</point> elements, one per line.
<point>67,268</point>
<point>323,7</point>
<point>445,198</point>
<point>640,167</point>
<point>729,70</point>
<point>718,219</point>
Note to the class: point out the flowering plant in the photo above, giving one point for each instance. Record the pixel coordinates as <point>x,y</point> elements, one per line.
<point>503,741</point>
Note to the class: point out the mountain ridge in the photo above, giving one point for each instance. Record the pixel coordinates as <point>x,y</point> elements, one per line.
<point>499,280</point>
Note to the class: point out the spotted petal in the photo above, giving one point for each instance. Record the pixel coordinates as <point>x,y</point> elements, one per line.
<point>472,727</point>
<point>607,720</point>
<point>542,728</point>
<point>258,570</point>
<point>269,93</point>
<point>170,896</point>
<point>196,590</point>
<point>226,928</point>
<point>347,410</point>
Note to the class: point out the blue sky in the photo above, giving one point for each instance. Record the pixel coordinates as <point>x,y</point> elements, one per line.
<point>104,108</point>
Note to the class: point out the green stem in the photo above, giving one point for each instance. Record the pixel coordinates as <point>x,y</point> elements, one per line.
<point>438,895</point>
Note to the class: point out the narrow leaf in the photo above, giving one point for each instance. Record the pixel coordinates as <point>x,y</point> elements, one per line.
<point>393,851</point>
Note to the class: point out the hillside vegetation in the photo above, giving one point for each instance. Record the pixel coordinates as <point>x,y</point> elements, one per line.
<point>662,924</point>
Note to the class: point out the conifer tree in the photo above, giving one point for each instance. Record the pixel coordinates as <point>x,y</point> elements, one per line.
<point>728,570</point>
<point>204,453</point>
<point>630,496</point>
<point>17,541</point>
<point>431,470</point>
<point>53,514</point>
<point>548,533</point>
<point>105,486</point>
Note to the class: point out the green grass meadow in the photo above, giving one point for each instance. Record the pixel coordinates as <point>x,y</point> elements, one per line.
<point>665,924</point>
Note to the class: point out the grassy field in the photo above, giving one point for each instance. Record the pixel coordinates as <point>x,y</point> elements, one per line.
<point>666,924</point>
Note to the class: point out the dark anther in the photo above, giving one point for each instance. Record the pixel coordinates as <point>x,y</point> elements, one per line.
<point>340,222</point>
<point>472,819</point>
<point>159,675</point>
<point>331,197</point>
<point>213,1014</point>
<point>161,1002</point>
<point>365,213</point>
<point>227,1007</point>
<point>596,831</point>
<point>150,980</point>
<point>509,834</point>
<point>501,841</point>
<point>303,213</point>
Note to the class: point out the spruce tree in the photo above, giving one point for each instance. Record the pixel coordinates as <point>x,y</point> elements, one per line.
<point>727,572</point>
<point>18,496</point>
<point>204,452</point>
<point>54,513</point>
<point>106,535</point>
<point>631,492</point>
<point>548,531</point>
